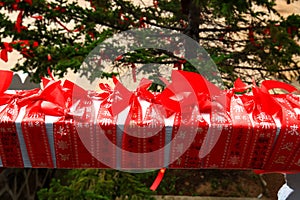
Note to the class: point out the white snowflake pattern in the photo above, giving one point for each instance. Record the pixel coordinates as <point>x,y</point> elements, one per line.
<point>238,108</point>
<point>64,157</point>
<point>5,119</point>
<point>179,148</point>
<point>262,117</point>
<point>234,160</point>
<point>117,96</point>
<point>182,134</point>
<point>107,105</point>
<point>178,161</point>
<point>265,125</point>
<point>105,121</point>
<point>42,164</point>
<point>237,117</point>
<point>291,114</point>
<point>61,131</point>
<point>288,146</point>
<point>62,145</point>
<point>106,113</point>
<point>37,123</point>
<point>293,130</point>
<point>34,115</point>
<point>30,124</point>
<point>220,119</point>
<point>86,165</point>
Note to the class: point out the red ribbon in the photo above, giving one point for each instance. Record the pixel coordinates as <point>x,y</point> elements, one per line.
<point>187,90</point>
<point>18,24</point>
<point>262,100</point>
<point>155,4</point>
<point>121,97</point>
<point>10,146</point>
<point>287,142</point>
<point>5,49</point>
<point>273,84</point>
<point>239,86</point>
<point>158,179</point>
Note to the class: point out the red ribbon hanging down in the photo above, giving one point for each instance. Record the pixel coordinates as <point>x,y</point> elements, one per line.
<point>142,23</point>
<point>25,44</point>
<point>6,47</point>
<point>82,135</point>
<point>186,91</point>
<point>18,25</point>
<point>133,68</point>
<point>181,98</point>
<point>239,143</point>
<point>107,90</point>
<point>106,127</point>
<point>92,4</point>
<point>9,146</point>
<point>28,1</point>
<point>251,37</point>
<point>114,102</point>
<point>155,4</point>
<point>158,179</point>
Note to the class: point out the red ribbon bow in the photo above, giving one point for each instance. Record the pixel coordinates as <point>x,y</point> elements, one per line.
<point>262,100</point>
<point>190,89</point>
<point>122,97</point>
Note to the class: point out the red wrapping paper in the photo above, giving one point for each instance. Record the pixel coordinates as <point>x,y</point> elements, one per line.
<point>220,131</point>
<point>74,132</point>
<point>106,137</point>
<point>144,133</point>
<point>264,128</point>
<point>241,134</point>
<point>254,130</point>
<point>287,141</point>
<point>35,136</point>
<point>10,147</point>
<point>189,128</point>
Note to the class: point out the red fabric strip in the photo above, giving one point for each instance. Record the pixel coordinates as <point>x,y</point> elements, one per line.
<point>158,179</point>
<point>9,143</point>
<point>36,139</point>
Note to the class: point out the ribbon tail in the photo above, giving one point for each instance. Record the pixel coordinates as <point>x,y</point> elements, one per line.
<point>158,179</point>
<point>18,24</point>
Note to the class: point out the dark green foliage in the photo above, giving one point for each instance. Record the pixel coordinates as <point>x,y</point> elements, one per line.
<point>97,184</point>
<point>243,42</point>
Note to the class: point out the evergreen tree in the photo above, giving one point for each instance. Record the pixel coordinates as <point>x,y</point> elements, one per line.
<point>245,38</point>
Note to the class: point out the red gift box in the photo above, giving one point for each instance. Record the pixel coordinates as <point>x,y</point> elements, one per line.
<point>185,126</point>
<point>143,134</point>
<point>241,134</point>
